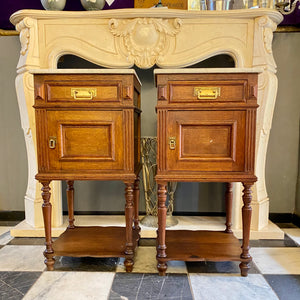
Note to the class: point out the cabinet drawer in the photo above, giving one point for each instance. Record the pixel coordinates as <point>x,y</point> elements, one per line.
<point>208,91</point>
<point>77,91</point>
<point>83,140</point>
<point>206,140</point>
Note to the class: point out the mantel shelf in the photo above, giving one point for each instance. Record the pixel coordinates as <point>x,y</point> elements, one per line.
<point>147,13</point>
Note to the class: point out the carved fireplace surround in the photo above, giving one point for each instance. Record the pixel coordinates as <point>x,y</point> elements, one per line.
<point>144,37</point>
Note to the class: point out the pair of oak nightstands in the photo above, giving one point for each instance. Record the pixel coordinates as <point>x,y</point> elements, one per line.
<point>88,128</point>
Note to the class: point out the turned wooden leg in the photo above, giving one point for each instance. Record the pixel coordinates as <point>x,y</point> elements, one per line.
<point>47,207</point>
<point>136,191</point>
<point>246,215</point>
<point>161,236</point>
<point>129,211</point>
<point>70,199</point>
<point>228,201</point>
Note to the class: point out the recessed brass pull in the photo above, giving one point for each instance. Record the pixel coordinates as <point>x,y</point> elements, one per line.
<point>172,143</point>
<point>207,93</point>
<point>52,142</point>
<point>83,93</point>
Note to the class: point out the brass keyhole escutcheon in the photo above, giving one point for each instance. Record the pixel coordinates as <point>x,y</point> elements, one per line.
<point>52,142</point>
<point>172,143</point>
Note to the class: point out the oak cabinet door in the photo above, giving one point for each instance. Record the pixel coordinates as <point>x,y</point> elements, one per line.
<point>85,140</point>
<point>206,140</point>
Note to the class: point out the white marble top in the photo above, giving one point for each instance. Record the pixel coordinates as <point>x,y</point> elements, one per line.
<point>85,71</point>
<point>208,70</point>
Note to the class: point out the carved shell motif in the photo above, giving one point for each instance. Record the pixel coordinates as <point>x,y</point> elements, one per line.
<point>144,40</point>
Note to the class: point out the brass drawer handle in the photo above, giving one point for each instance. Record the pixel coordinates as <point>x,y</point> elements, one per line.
<point>83,93</point>
<point>207,93</point>
<point>172,143</point>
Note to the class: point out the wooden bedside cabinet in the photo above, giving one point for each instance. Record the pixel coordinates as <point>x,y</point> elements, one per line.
<point>88,128</point>
<point>206,133</point>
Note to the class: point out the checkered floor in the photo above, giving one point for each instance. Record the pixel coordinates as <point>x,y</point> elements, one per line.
<point>275,274</point>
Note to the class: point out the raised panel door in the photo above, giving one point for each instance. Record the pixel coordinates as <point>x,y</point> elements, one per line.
<point>206,141</point>
<point>85,140</point>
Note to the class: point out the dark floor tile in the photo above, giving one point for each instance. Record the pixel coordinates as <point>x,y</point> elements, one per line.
<point>125,285</point>
<point>14,285</point>
<point>9,223</point>
<point>9,293</point>
<point>287,287</point>
<point>218,267</point>
<point>92,264</point>
<point>286,242</point>
<point>150,286</point>
<point>174,286</point>
<point>286,225</point>
<point>147,242</point>
<point>27,241</point>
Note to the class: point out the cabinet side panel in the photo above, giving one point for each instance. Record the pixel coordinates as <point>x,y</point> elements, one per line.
<point>42,140</point>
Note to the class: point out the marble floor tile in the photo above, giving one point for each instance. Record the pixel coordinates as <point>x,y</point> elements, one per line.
<point>4,229</point>
<point>145,262</point>
<point>150,286</point>
<point>22,258</point>
<point>91,264</point>
<point>286,287</point>
<point>71,285</point>
<point>286,242</point>
<point>233,287</point>
<point>293,233</point>
<point>5,238</point>
<point>14,285</point>
<point>125,286</point>
<point>218,267</point>
<point>277,260</point>
<point>8,293</point>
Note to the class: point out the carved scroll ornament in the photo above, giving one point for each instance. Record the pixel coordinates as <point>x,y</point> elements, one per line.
<point>269,26</point>
<point>144,41</point>
<point>23,27</point>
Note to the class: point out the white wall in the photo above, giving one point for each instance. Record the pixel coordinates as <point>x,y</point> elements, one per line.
<point>283,151</point>
<point>13,165</point>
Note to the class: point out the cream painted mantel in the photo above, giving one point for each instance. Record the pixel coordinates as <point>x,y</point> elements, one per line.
<point>144,37</point>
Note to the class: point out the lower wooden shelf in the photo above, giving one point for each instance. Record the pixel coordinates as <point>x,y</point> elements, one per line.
<point>93,241</point>
<point>190,245</point>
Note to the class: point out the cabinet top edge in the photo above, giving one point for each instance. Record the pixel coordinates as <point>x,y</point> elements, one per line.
<point>85,71</point>
<point>208,70</point>
<point>130,13</point>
